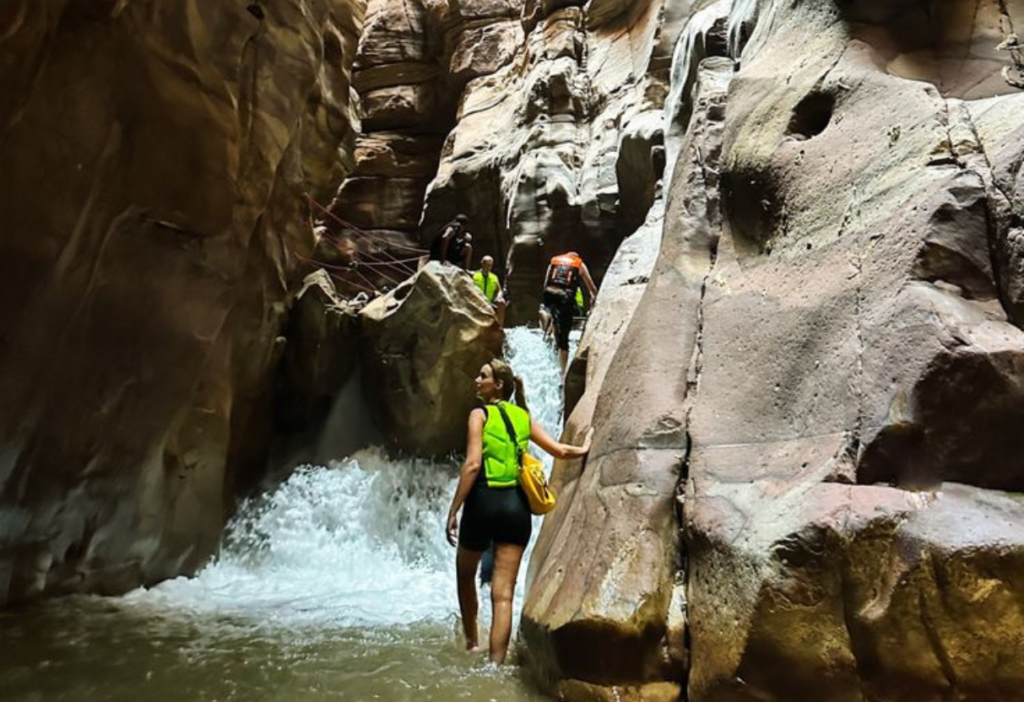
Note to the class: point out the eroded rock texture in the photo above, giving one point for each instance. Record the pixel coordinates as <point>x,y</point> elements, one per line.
<point>826,367</point>
<point>607,596</point>
<point>156,157</point>
<point>559,148</point>
<point>861,294</point>
<point>422,345</point>
<point>806,367</point>
<point>540,121</point>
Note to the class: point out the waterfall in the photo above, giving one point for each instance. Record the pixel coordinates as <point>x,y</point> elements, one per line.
<point>689,51</point>
<point>358,543</point>
<point>743,18</point>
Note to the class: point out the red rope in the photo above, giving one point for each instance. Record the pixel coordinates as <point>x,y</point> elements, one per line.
<point>343,269</point>
<point>362,232</point>
<point>378,259</point>
<point>400,262</point>
<point>348,269</point>
<point>337,241</point>
<point>366,280</point>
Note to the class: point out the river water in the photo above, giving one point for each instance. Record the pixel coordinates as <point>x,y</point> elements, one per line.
<point>338,585</point>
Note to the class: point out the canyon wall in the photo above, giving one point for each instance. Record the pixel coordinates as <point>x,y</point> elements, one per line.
<point>821,380</point>
<point>805,367</point>
<point>154,220</point>
<point>539,121</point>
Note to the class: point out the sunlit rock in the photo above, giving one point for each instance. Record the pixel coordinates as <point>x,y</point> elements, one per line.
<point>534,155</point>
<point>859,354</point>
<point>606,601</point>
<point>422,345</point>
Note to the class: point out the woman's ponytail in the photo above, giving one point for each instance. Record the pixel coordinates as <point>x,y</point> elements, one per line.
<point>520,393</point>
<point>510,382</point>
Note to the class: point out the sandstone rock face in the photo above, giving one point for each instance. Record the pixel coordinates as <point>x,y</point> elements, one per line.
<point>422,345</point>
<point>856,295</point>
<point>621,290</point>
<point>540,121</point>
<point>608,559</point>
<point>825,368</point>
<point>157,156</point>
<point>321,351</point>
<point>560,147</point>
<point>398,78</point>
<point>806,367</point>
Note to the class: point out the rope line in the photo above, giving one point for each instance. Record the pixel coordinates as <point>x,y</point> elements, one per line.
<point>326,266</point>
<point>363,232</point>
<point>376,261</point>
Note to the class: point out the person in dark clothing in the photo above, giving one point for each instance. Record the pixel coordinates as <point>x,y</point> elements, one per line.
<point>453,244</point>
<point>494,508</point>
<point>565,273</point>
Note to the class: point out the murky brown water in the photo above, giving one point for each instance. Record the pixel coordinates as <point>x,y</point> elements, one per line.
<point>336,585</point>
<point>95,649</point>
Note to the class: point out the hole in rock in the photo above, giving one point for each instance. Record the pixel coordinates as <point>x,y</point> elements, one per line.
<point>403,290</point>
<point>256,11</point>
<point>812,115</point>
<point>893,457</point>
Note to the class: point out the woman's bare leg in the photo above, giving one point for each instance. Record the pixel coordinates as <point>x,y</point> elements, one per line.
<point>507,558</point>
<point>466,563</point>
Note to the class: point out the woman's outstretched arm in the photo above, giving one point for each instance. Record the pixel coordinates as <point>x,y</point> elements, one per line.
<point>467,476</point>
<point>557,449</point>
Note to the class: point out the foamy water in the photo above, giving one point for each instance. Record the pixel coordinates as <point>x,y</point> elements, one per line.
<point>337,585</point>
<point>358,543</point>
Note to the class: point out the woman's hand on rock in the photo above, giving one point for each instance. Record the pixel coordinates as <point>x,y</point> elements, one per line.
<point>585,448</point>
<point>452,529</point>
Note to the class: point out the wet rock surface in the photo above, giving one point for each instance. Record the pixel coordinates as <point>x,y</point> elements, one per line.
<point>829,343</point>
<point>618,518</point>
<point>157,156</point>
<point>853,335</point>
<point>805,368</point>
<point>321,353</point>
<point>421,347</point>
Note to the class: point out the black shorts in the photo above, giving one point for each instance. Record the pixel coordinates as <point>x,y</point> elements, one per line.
<point>562,307</point>
<point>491,515</point>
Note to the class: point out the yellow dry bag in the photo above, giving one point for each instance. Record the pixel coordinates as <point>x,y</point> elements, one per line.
<point>535,485</point>
<point>531,474</point>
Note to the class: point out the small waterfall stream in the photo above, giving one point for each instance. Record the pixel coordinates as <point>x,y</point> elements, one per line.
<point>337,585</point>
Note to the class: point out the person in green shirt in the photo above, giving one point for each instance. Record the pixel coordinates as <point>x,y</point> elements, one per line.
<point>494,510</point>
<point>489,285</point>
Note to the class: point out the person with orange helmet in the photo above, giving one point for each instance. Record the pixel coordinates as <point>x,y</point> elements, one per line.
<point>565,273</point>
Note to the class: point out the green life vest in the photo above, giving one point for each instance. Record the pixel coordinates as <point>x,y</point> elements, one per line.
<point>488,285</point>
<point>579,301</point>
<point>501,460</point>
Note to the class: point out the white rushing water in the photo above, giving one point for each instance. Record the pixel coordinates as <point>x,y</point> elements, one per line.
<point>358,543</point>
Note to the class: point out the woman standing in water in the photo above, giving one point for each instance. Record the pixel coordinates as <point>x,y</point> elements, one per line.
<point>496,510</point>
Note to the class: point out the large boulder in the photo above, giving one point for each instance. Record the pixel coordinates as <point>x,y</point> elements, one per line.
<point>823,377</point>
<point>850,523</point>
<point>422,345</point>
<point>605,608</point>
<point>153,222</point>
